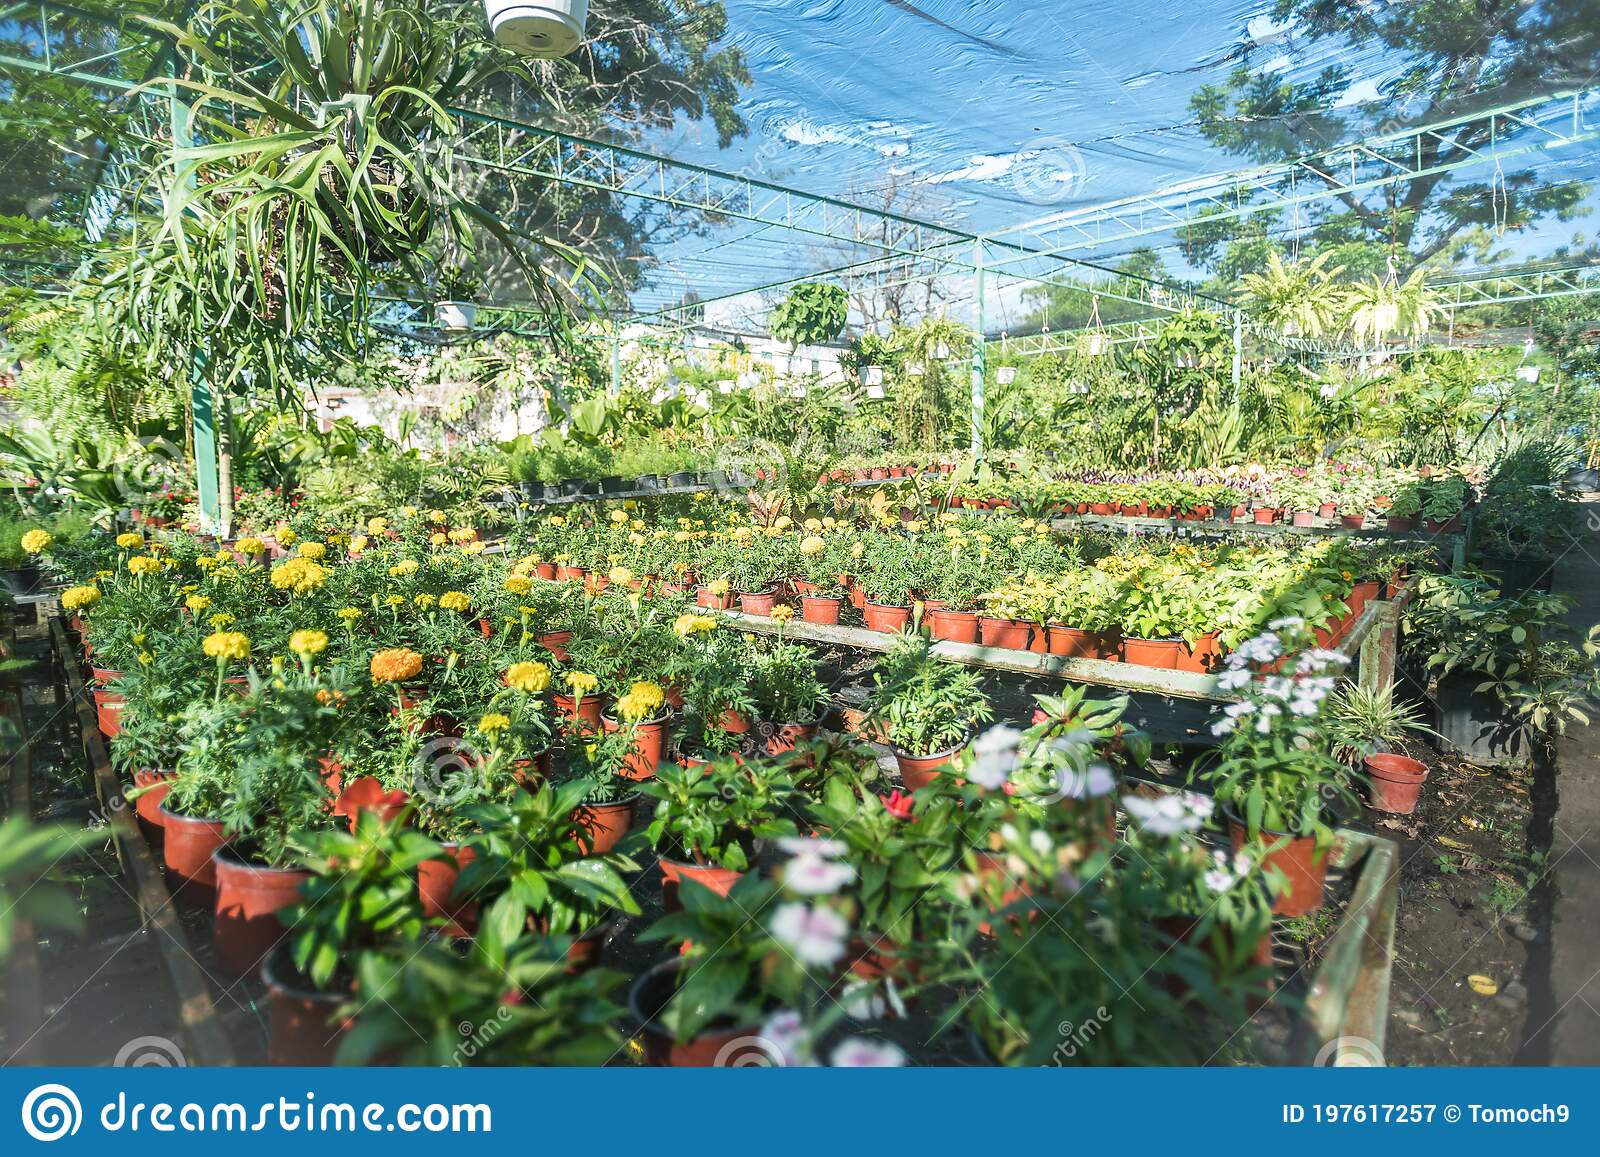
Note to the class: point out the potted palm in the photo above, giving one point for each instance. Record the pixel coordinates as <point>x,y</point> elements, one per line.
<point>925,708</point>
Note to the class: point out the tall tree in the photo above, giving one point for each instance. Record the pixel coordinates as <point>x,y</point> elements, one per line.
<point>1457,56</point>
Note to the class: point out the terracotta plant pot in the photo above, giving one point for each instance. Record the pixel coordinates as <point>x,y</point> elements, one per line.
<point>1265,515</point>
<point>758,602</point>
<point>148,805</point>
<point>1009,634</point>
<point>1328,510</point>
<point>712,602</point>
<point>584,713</point>
<point>885,617</point>
<point>1305,870</point>
<point>108,708</point>
<point>820,609</point>
<point>1152,652</point>
<point>366,794</point>
<point>787,736</point>
<point>1203,657</point>
<point>1352,521</point>
<point>953,626</point>
<point>545,570</point>
<point>918,771</point>
<point>187,849</point>
<point>602,825</point>
<point>1072,643</point>
<point>733,723</point>
<point>674,872</point>
<point>249,898</point>
<point>436,880</point>
<point>1396,782</point>
<point>1400,525</point>
<point>303,1029</point>
<point>649,738</point>
<point>726,1047</point>
<point>556,643</point>
<point>1304,518</point>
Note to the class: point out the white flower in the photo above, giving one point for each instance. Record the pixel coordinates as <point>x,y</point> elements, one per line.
<point>860,1001</point>
<point>1040,843</point>
<point>787,1035</point>
<point>995,755</point>
<point>811,875</point>
<point>1242,864</point>
<point>800,846</point>
<point>1233,678</point>
<point>1218,880</point>
<point>1286,621</point>
<point>814,935</point>
<point>1094,782</point>
<point>1304,706</point>
<point>860,1053</point>
<point>990,774</point>
<point>1169,815</point>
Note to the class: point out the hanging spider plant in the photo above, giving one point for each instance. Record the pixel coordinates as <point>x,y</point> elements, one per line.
<point>319,167</point>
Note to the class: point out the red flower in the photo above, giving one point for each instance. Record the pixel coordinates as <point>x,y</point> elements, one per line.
<point>897,804</point>
<point>367,794</point>
<point>1039,716</point>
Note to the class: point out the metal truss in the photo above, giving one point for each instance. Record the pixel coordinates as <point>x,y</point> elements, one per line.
<point>1538,124</point>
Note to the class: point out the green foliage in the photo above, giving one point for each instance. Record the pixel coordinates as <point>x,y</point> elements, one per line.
<point>812,313</point>
<point>926,705</point>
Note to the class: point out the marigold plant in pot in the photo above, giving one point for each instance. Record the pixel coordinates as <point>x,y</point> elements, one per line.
<point>788,696</point>
<point>641,717</point>
<point>926,708</point>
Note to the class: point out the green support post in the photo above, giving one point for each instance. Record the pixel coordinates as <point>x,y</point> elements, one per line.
<point>978,356</point>
<point>616,363</point>
<point>202,407</point>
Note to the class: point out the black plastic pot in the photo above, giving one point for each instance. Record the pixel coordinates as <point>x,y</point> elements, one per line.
<point>532,491</point>
<point>1475,725</point>
<point>613,484</point>
<point>571,488</point>
<point>24,580</point>
<point>647,483</point>
<point>715,478</point>
<point>1518,576</point>
<point>681,478</point>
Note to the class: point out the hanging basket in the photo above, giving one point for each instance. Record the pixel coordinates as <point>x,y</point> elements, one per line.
<point>543,29</point>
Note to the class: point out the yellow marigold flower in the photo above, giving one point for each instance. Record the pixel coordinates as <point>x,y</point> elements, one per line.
<point>425,601</point>
<point>858,550</point>
<point>197,603</point>
<point>784,522</point>
<point>581,682</point>
<point>493,723</point>
<point>681,536</point>
<point>528,677</point>
<point>307,643</point>
<point>718,587</point>
<point>619,517</point>
<point>143,564</point>
<point>408,512</point>
<point>33,541</point>
<point>395,665</point>
<point>438,517</point>
<point>437,538</point>
<point>463,534</point>
<point>395,600</point>
<point>454,601</point>
<point>138,638</point>
<point>377,526</point>
<point>226,645</point>
<point>518,584</point>
<point>250,545</point>
<point>348,614</point>
<point>358,543</point>
<point>285,534</point>
<point>206,561</point>
<point>635,538</point>
<point>476,546</point>
<point>77,598</point>
<point>812,545</point>
<point>312,550</point>
<point>299,576</point>
<point>404,567</point>
<point>130,541</point>
<point>556,520</point>
<point>620,575</point>
<point>689,624</point>
<point>641,702</point>
<point>146,658</point>
<point>782,614</point>
<point>220,620</point>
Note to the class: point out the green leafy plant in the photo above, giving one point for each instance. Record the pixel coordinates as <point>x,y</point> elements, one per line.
<point>924,704</point>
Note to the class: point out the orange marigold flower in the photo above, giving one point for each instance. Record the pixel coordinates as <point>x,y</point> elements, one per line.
<point>396,665</point>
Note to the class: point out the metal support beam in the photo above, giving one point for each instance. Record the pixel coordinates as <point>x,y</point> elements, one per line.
<point>977,446</point>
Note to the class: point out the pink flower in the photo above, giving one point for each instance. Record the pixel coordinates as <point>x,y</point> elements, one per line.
<point>860,1053</point>
<point>814,935</point>
<point>898,804</point>
<point>810,875</point>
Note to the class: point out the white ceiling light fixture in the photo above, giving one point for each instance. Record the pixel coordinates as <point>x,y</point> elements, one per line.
<point>543,29</point>
<point>1005,375</point>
